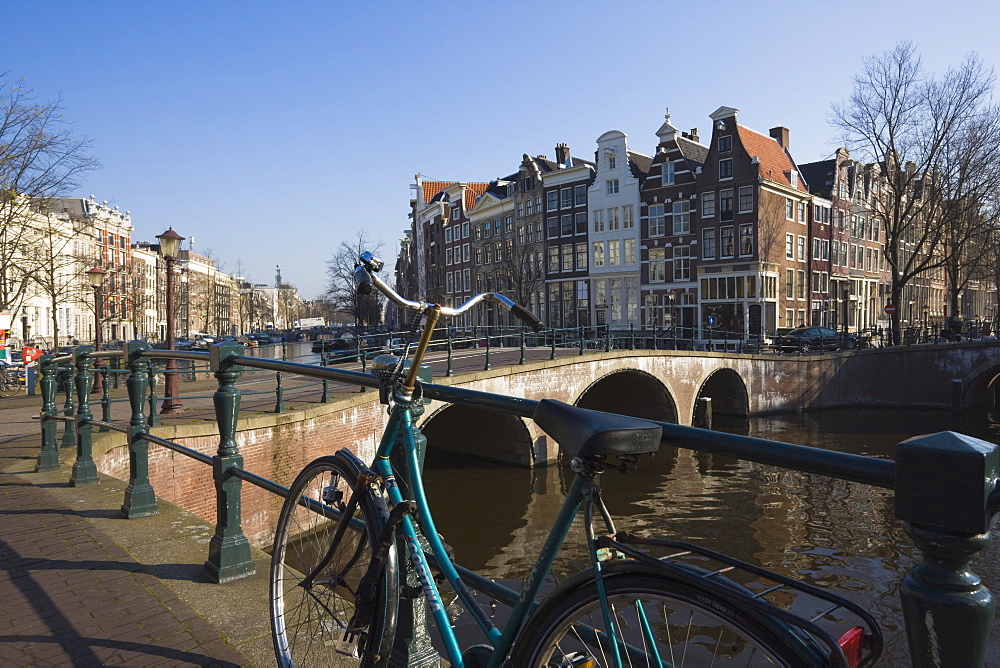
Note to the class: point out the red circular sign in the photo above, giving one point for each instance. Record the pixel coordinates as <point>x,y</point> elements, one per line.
<point>890,309</point>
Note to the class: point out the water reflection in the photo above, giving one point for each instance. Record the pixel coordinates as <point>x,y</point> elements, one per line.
<point>828,532</point>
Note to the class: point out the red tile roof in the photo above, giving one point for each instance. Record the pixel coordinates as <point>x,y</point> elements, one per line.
<point>432,188</point>
<point>472,191</point>
<point>773,162</point>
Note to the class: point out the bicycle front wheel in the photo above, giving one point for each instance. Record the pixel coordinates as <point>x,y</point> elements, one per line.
<point>659,621</point>
<point>314,581</point>
<point>9,385</point>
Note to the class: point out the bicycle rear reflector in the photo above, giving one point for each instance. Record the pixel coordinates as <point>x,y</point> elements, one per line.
<point>852,643</point>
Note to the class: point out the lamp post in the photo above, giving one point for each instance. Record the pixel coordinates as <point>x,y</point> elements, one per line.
<point>926,309</point>
<point>170,246</point>
<point>96,277</point>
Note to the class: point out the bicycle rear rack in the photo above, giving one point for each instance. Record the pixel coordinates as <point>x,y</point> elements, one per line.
<point>756,588</point>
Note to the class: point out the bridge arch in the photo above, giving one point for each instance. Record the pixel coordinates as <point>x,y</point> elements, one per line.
<point>479,432</point>
<point>728,392</point>
<point>630,392</point>
<point>982,385</point>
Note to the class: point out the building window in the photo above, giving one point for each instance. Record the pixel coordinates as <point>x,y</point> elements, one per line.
<point>746,239</point>
<point>682,263</point>
<point>789,246</point>
<point>566,198</point>
<point>567,257</point>
<point>657,265</point>
<point>580,193</point>
<point>728,245</point>
<point>598,254</point>
<point>668,173</point>
<point>612,161</point>
<point>581,257</point>
<point>726,168</point>
<point>465,230</point>
<point>449,283</point>
<point>447,235</point>
<point>629,251</point>
<point>802,212</point>
<point>789,286</point>
<point>707,205</point>
<point>746,199</point>
<point>520,209</point>
<point>581,222</point>
<point>725,144</point>
<point>789,209</point>
<point>802,249</point>
<point>552,200</point>
<point>612,219</point>
<point>479,256</point>
<point>599,220</point>
<point>566,224</point>
<point>800,285</point>
<point>628,218</point>
<point>508,224</point>
<point>708,243</point>
<point>529,210</point>
<point>682,217</point>
<point>448,257</point>
<point>496,227</point>
<point>816,255</point>
<point>614,258</point>
<point>553,259</point>
<point>487,229</point>
<point>465,252</point>
<point>726,205</point>
<point>836,253</point>
<point>454,213</point>
<point>552,227</point>
<point>656,220</point>
<point>612,186</point>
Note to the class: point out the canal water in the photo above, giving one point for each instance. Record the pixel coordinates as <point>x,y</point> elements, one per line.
<point>827,532</point>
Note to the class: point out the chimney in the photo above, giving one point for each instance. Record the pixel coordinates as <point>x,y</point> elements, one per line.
<point>693,134</point>
<point>781,134</point>
<point>562,154</point>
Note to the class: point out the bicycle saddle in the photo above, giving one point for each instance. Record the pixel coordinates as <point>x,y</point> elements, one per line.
<point>585,433</point>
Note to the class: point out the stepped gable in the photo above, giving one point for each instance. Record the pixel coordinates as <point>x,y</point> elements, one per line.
<point>774,162</point>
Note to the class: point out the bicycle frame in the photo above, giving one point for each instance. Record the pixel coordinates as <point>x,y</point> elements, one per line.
<point>581,491</point>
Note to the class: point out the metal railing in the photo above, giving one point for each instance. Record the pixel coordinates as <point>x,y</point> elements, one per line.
<point>945,484</point>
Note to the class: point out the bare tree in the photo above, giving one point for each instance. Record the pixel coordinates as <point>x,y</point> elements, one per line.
<point>56,269</point>
<point>40,158</point>
<point>523,266</point>
<point>920,134</point>
<point>341,289</point>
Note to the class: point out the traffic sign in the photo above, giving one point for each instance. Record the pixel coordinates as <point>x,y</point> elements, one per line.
<point>890,309</point>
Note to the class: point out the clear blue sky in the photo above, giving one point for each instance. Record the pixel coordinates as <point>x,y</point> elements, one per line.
<point>272,131</point>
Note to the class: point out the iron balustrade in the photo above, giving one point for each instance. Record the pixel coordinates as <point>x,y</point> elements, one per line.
<point>946,485</point>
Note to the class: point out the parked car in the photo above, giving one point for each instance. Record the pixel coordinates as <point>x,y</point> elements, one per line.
<point>807,339</point>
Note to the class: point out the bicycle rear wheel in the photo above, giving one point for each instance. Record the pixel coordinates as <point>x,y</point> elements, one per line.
<point>10,385</point>
<point>307,617</point>
<point>659,620</point>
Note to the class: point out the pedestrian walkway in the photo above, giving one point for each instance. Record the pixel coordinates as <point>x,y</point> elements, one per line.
<point>80,586</point>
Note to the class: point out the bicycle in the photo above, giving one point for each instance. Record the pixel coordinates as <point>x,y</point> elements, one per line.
<point>338,573</point>
<point>11,382</point>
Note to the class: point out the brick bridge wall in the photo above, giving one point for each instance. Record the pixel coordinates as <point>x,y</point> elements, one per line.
<point>664,386</point>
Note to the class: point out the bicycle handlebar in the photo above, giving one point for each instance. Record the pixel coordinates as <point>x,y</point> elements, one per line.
<point>366,276</point>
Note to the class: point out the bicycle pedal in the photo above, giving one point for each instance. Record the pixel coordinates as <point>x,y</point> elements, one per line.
<point>348,643</point>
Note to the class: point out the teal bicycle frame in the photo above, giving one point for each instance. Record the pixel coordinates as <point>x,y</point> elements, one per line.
<point>401,421</point>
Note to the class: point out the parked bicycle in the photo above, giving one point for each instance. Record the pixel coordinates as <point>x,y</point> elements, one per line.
<point>11,381</point>
<point>350,534</point>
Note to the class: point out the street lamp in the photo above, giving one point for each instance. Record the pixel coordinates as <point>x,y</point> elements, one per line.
<point>96,277</point>
<point>926,309</point>
<point>170,247</point>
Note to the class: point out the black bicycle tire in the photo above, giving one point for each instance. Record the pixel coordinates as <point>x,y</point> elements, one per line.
<point>9,386</point>
<point>627,580</point>
<point>375,649</point>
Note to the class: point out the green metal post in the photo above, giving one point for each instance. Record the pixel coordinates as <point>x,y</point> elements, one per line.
<point>140,500</point>
<point>946,487</point>
<point>631,336</point>
<point>487,366</point>
<point>69,408</point>
<point>84,469</point>
<point>552,333</point>
<point>583,339</point>
<point>522,345</point>
<point>106,395</point>
<point>48,455</point>
<point>450,370</point>
<point>279,394</point>
<point>323,361</point>
<point>607,338</point>
<point>154,416</point>
<point>228,551</point>
<point>364,369</point>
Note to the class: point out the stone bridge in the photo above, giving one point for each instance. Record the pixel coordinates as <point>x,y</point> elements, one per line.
<point>657,385</point>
